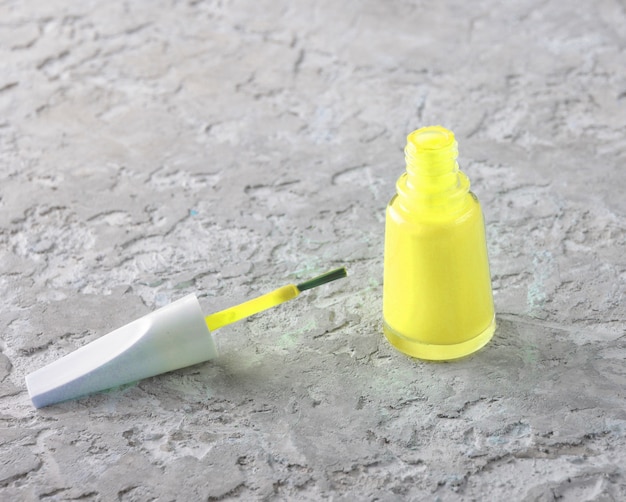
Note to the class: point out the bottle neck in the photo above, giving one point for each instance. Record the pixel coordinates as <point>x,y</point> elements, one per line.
<point>432,180</point>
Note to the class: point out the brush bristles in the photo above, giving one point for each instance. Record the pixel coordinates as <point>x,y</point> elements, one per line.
<point>323,279</point>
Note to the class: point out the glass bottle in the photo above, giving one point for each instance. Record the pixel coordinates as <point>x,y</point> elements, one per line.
<point>437,297</point>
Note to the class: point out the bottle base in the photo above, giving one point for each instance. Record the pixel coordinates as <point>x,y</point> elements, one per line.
<point>434,352</point>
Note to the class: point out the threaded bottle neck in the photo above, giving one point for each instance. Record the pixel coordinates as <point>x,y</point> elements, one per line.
<point>432,175</point>
<point>431,154</point>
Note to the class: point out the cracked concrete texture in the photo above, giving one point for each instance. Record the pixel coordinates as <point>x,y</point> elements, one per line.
<point>153,149</point>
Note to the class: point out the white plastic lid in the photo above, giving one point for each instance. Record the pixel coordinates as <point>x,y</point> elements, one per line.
<point>170,338</point>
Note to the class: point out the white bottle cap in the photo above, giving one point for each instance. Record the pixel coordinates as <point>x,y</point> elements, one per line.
<point>170,338</point>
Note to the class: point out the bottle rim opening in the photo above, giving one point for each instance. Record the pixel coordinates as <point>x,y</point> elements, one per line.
<point>431,138</point>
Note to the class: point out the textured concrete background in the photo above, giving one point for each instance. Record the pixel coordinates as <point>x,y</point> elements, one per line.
<point>151,149</point>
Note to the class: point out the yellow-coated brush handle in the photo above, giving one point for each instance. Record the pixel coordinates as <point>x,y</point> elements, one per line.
<point>243,310</point>
<point>269,300</point>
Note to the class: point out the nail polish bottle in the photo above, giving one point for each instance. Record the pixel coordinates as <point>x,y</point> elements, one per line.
<point>437,297</point>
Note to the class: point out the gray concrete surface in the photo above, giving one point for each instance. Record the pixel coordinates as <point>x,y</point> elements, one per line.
<point>153,149</point>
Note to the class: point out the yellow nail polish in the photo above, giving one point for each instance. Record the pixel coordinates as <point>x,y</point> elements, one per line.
<point>437,298</point>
